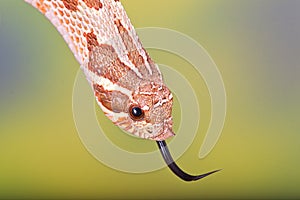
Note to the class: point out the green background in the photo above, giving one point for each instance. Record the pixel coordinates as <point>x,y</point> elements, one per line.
<point>256,46</point>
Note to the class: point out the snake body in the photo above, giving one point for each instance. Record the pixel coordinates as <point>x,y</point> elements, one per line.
<point>127,84</point>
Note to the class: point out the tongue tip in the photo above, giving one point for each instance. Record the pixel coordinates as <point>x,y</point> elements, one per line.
<point>174,167</point>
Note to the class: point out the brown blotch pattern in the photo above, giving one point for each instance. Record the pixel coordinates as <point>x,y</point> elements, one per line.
<point>93,4</point>
<point>104,61</point>
<point>112,100</point>
<point>133,53</point>
<point>135,57</point>
<point>71,4</point>
<point>91,39</point>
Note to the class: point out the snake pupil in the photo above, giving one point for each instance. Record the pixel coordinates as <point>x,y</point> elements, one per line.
<point>136,113</point>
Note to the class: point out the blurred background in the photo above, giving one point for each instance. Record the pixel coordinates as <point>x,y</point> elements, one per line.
<point>256,46</point>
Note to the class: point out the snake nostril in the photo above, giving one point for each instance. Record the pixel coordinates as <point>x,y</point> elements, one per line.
<point>149,129</point>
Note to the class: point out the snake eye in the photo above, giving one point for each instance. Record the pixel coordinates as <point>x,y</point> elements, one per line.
<point>136,113</point>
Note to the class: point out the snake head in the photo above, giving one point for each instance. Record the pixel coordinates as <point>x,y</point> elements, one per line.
<point>150,111</point>
<point>145,112</point>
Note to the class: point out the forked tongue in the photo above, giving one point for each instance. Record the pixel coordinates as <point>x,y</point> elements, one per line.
<point>174,167</point>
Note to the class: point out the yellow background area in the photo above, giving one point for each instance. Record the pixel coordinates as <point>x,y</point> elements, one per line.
<point>255,45</point>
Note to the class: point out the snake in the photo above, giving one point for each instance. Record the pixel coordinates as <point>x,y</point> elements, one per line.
<point>127,84</point>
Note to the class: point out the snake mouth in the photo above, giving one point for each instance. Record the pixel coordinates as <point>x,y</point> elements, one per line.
<point>163,136</point>
<point>165,132</point>
<point>162,145</point>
